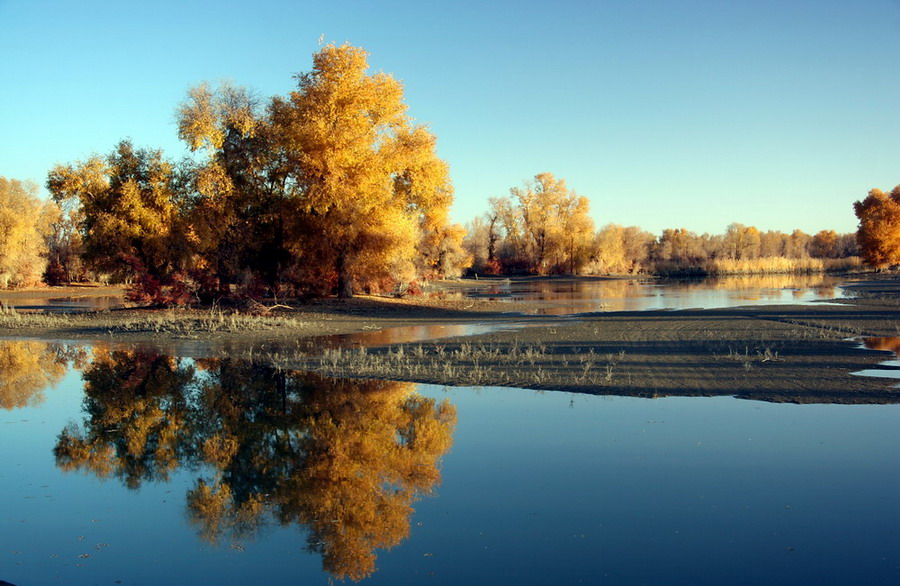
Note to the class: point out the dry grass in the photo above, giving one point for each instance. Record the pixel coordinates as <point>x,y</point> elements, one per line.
<point>776,265</point>
<point>176,322</point>
<point>515,364</point>
<point>214,320</point>
<point>762,266</point>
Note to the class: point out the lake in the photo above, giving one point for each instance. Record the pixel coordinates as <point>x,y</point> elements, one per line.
<point>132,467</point>
<point>561,296</point>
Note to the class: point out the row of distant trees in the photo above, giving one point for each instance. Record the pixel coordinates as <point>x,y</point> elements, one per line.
<point>545,228</point>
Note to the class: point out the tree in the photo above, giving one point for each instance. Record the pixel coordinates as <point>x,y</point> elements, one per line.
<point>369,181</point>
<point>136,427</point>
<point>878,233</point>
<point>621,250</point>
<point>345,458</point>
<point>796,245</point>
<point>64,245</point>
<point>131,215</point>
<point>331,184</point>
<point>824,244</point>
<point>572,242</point>
<point>742,242</point>
<point>679,246</point>
<point>24,225</point>
<point>547,227</point>
<point>239,191</point>
<point>441,252</point>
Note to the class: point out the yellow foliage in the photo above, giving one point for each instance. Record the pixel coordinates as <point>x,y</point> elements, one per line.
<point>26,369</point>
<point>613,250</point>
<point>129,206</point>
<point>24,225</point>
<point>206,117</point>
<point>346,458</point>
<point>551,229</point>
<point>371,181</point>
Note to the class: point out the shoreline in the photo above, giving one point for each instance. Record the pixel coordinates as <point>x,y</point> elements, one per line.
<point>796,353</point>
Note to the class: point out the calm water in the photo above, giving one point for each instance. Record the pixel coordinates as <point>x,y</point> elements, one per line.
<point>135,468</point>
<point>64,303</point>
<point>562,296</point>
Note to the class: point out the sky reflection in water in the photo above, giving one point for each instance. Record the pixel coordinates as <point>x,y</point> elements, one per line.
<point>528,488</point>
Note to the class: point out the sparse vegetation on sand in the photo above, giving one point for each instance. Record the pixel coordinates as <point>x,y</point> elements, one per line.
<point>780,353</point>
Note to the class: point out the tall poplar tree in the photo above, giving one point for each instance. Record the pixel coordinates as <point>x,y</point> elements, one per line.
<point>370,181</point>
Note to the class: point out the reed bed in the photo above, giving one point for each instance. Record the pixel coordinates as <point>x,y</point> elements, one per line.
<point>760,266</point>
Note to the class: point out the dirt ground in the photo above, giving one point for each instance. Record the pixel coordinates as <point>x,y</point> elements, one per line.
<point>797,353</point>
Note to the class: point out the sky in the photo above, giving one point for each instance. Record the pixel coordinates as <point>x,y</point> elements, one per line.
<point>665,114</point>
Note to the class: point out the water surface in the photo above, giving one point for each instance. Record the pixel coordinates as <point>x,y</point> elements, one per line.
<point>561,296</point>
<point>142,468</point>
<point>64,303</point>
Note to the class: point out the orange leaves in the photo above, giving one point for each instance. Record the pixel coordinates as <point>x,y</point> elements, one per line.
<point>332,183</point>
<point>878,234</point>
<point>130,208</point>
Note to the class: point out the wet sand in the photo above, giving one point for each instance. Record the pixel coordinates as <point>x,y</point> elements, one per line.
<point>798,353</point>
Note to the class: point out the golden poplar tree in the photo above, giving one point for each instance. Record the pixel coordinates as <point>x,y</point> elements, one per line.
<point>555,223</point>
<point>330,186</point>
<point>824,244</point>
<point>137,415</point>
<point>878,234</point>
<point>130,213</point>
<point>24,225</point>
<point>370,180</point>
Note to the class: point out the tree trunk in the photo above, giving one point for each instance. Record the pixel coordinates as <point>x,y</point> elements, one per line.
<point>345,281</point>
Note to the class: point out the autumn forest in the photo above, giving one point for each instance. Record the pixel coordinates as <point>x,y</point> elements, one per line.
<point>333,189</point>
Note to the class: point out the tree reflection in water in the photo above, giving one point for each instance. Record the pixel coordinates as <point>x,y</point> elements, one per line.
<point>345,458</point>
<point>890,344</point>
<point>29,367</point>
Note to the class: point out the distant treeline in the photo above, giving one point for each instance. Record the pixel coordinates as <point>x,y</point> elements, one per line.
<point>544,228</point>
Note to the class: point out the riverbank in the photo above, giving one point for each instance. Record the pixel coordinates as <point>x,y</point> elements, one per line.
<point>799,353</point>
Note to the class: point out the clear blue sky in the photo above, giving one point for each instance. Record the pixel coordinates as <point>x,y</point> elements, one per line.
<point>687,114</point>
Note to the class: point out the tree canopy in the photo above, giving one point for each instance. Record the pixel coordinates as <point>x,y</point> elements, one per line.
<point>879,227</point>
<point>24,225</point>
<point>330,188</point>
<point>547,227</point>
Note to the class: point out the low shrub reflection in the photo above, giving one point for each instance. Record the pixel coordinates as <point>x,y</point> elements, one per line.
<point>889,344</point>
<point>344,458</point>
